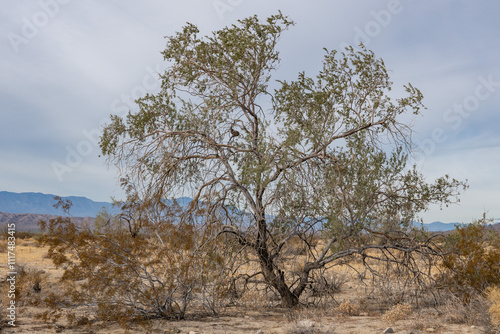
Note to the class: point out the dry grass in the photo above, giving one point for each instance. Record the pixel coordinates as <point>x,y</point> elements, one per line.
<point>250,312</point>
<point>348,308</point>
<point>474,312</point>
<point>303,327</point>
<point>494,298</point>
<point>397,312</point>
<point>422,320</point>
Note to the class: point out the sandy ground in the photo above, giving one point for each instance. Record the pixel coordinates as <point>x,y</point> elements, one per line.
<point>254,322</point>
<point>234,320</point>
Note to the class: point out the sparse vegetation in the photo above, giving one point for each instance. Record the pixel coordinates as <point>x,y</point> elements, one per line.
<point>397,312</point>
<point>139,268</point>
<point>493,294</point>
<point>473,262</point>
<point>348,308</point>
<point>315,217</point>
<point>470,273</point>
<point>303,327</point>
<point>473,312</point>
<point>52,300</point>
<point>334,169</point>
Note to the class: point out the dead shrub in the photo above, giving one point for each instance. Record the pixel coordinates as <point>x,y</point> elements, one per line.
<point>324,286</point>
<point>30,285</point>
<point>28,278</point>
<point>421,322</point>
<point>393,284</point>
<point>472,312</point>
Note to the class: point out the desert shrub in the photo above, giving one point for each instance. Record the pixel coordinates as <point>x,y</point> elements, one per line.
<point>473,260</point>
<point>27,235</point>
<point>423,319</point>
<point>473,312</point>
<point>493,294</point>
<point>31,285</point>
<point>142,267</point>
<point>324,285</point>
<point>19,234</point>
<point>397,312</point>
<point>398,277</point>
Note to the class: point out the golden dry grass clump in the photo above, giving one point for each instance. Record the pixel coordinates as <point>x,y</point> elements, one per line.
<point>348,308</point>
<point>494,297</point>
<point>397,312</point>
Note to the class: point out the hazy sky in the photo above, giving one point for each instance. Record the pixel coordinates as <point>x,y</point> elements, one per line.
<point>66,65</point>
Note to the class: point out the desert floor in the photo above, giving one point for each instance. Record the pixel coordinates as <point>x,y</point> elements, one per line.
<point>238,319</point>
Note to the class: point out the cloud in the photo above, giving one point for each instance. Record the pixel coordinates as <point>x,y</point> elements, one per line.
<point>479,165</point>
<point>91,57</point>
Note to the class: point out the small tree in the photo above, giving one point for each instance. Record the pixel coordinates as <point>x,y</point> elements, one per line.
<point>306,158</point>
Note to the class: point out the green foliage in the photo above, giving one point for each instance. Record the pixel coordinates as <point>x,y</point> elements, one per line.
<point>325,153</point>
<point>371,190</point>
<point>473,262</point>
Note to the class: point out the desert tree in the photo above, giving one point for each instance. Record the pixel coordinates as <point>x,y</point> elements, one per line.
<point>323,156</point>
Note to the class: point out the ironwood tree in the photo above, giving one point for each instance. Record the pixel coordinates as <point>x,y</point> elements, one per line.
<point>318,157</point>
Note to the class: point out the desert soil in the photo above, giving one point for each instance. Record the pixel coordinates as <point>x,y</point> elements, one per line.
<point>234,319</point>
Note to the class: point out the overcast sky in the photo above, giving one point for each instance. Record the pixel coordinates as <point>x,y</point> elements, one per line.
<point>66,65</point>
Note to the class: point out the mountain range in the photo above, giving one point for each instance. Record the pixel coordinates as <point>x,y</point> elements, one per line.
<point>28,222</point>
<point>38,203</point>
<point>26,209</point>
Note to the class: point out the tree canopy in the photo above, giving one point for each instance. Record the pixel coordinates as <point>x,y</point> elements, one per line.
<point>318,156</point>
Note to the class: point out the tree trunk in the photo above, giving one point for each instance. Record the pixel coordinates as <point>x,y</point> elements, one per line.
<point>274,276</point>
<point>288,298</point>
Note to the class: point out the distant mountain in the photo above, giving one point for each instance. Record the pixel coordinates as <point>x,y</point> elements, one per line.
<point>29,221</point>
<point>38,203</point>
<point>495,227</point>
<point>446,227</point>
<point>439,226</point>
<point>33,204</point>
